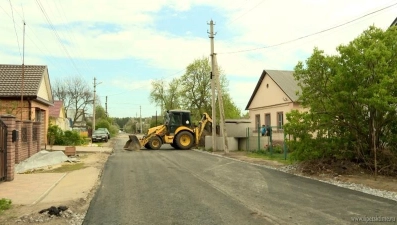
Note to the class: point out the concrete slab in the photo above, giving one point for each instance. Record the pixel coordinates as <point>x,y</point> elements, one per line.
<point>29,189</point>
<point>75,185</point>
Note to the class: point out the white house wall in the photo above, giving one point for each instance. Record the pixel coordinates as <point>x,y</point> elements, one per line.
<point>268,94</point>
<point>43,90</point>
<point>270,99</point>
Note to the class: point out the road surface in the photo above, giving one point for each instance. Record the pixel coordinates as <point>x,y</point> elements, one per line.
<point>189,187</point>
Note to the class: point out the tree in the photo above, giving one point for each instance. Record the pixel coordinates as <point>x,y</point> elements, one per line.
<point>352,99</point>
<point>167,98</point>
<point>75,93</point>
<point>121,121</point>
<point>192,91</point>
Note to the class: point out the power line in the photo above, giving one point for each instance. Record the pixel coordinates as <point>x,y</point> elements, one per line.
<point>16,33</point>
<point>309,35</point>
<point>238,17</point>
<point>144,85</point>
<point>57,35</point>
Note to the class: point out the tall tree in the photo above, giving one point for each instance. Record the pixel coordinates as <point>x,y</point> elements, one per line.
<point>75,93</point>
<point>352,99</point>
<point>167,98</point>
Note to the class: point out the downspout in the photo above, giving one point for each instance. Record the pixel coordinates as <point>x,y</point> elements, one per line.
<point>30,109</point>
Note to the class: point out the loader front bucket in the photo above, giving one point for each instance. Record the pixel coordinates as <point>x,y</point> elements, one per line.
<point>133,143</point>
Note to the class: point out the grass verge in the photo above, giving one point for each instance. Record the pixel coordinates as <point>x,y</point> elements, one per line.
<point>279,157</point>
<point>64,168</point>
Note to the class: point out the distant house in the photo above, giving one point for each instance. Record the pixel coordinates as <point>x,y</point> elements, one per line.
<point>273,97</point>
<point>58,116</point>
<point>27,97</point>
<point>80,122</point>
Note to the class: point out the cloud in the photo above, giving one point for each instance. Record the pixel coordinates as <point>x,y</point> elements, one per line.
<point>88,33</point>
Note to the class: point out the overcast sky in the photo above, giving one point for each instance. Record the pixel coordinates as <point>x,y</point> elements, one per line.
<point>127,44</point>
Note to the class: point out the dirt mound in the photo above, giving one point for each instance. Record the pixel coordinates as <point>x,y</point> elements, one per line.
<point>330,167</point>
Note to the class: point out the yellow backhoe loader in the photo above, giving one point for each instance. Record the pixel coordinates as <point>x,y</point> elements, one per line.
<point>179,132</point>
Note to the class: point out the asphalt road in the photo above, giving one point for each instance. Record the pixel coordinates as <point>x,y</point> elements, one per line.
<point>190,187</point>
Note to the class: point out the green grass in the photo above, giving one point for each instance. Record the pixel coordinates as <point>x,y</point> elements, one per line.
<point>64,168</point>
<point>4,204</point>
<point>261,154</point>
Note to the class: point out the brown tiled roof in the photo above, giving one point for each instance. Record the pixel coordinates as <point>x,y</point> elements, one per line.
<point>11,80</point>
<point>55,109</point>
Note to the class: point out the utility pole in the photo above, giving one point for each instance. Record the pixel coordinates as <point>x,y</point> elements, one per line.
<point>140,117</point>
<point>106,106</point>
<point>93,105</point>
<point>211,36</point>
<point>23,70</point>
<point>221,110</point>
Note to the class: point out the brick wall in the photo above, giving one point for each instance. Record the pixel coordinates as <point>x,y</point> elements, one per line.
<point>9,121</point>
<point>27,144</point>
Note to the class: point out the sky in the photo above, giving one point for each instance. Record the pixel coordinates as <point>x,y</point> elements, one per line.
<point>126,45</point>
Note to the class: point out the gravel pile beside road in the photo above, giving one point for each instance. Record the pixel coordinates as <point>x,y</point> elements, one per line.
<point>357,187</point>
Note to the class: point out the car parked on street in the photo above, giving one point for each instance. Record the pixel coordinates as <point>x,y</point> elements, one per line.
<point>99,135</point>
<point>106,130</point>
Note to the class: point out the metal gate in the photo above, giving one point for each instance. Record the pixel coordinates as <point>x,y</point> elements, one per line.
<point>3,151</point>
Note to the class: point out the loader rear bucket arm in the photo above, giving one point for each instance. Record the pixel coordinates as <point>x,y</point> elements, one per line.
<point>199,130</point>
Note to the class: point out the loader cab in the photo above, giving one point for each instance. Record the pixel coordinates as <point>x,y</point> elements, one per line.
<point>179,118</point>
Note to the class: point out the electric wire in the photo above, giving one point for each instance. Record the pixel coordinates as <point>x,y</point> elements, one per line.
<point>308,35</point>
<point>57,36</point>
<point>16,33</point>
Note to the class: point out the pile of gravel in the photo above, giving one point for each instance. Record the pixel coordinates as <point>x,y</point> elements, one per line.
<point>69,216</point>
<point>357,187</point>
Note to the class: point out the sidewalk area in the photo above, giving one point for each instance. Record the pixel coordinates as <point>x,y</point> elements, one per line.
<point>30,189</point>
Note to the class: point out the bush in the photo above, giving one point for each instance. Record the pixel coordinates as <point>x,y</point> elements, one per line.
<point>4,204</point>
<point>54,135</point>
<point>57,137</point>
<point>72,138</point>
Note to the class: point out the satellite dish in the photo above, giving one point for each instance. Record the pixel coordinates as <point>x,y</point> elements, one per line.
<point>285,99</point>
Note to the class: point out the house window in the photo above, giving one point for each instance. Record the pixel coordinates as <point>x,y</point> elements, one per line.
<point>257,121</point>
<point>280,120</point>
<point>267,119</point>
<point>38,115</point>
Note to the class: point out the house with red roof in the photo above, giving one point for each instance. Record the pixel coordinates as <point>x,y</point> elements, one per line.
<point>58,116</point>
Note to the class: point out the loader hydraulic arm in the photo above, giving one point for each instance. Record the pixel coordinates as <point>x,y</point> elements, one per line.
<point>203,122</point>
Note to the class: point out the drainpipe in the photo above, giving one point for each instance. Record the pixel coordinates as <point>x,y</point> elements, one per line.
<point>30,109</point>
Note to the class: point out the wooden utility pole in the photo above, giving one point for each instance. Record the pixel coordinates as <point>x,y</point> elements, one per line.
<point>93,105</point>
<point>140,118</point>
<point>23,70</point>
<point>106,106</point>
<point>221,110</point>
<point>213,87</point>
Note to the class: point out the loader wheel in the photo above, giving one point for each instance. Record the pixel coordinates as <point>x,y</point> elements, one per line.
<point>147,146</point>
<point>184,140</point>
<point>155,143</point>
<point>174,145</point>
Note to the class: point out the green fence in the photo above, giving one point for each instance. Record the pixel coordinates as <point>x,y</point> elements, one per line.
<point>273,142</point>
